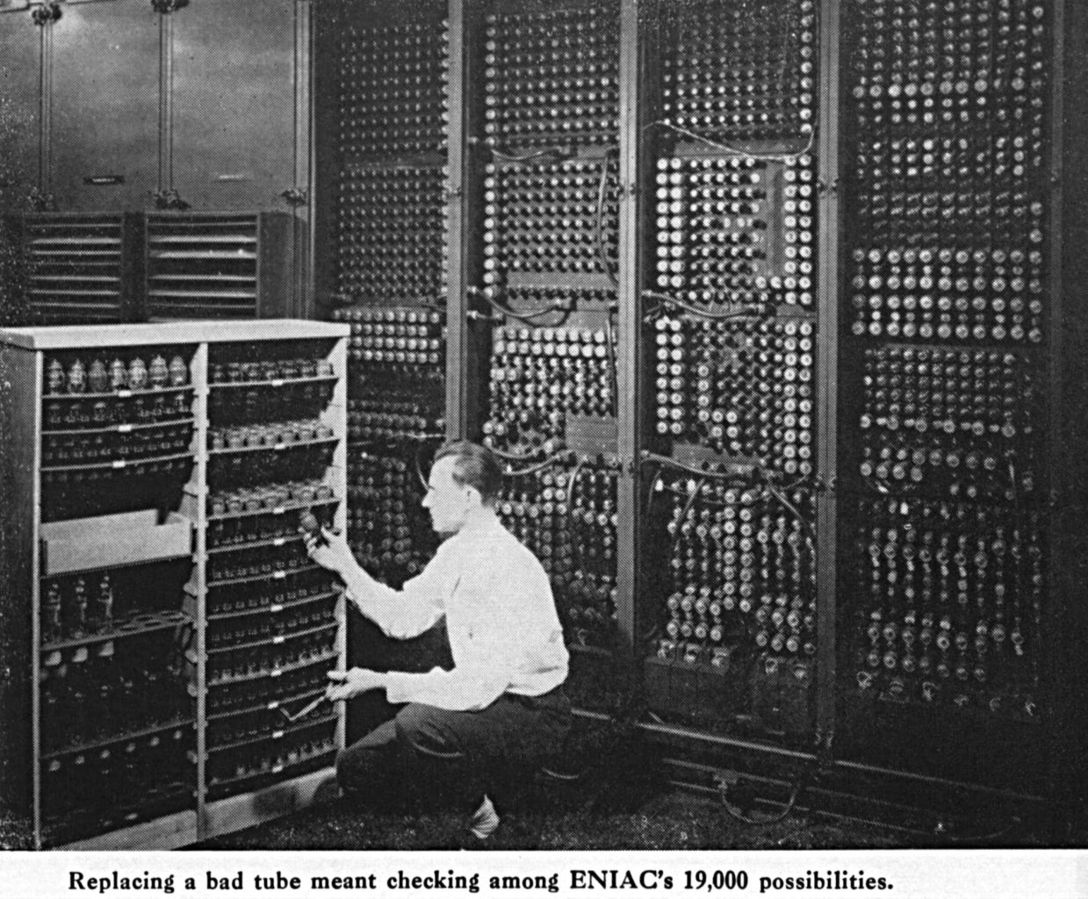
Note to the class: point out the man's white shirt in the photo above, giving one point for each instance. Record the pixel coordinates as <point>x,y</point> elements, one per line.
<point>504,632</point>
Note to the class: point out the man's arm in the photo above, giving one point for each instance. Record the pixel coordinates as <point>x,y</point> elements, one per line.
<point>504,625</point>
<point>400,614</point>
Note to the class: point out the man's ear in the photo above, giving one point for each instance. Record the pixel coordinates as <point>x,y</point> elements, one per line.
<point>477,498</point>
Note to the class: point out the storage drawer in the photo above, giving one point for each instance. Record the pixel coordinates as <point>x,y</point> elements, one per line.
<point>109,540</point>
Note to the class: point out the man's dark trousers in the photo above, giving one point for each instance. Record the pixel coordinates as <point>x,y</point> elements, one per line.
<point>455,757</point>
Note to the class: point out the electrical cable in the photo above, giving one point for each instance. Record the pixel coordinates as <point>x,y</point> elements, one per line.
<point>565,778</point>
<point>551,460</point>
<point>610,341</point>
<point>650,498</point>
<point>771,489</point>
<point>545,152</point>
<point>706,500</point>
<point>601,249</point>
<point>744,819</point>
<point>793,485</point>
<point>939,832</point>
<point>735,150</point>
<point>745,312</point>
<point>526,317</point>
<point>881,486</point>
<point>698,472</point>
<point>512,457</point>
<point>605,264</point>
<point>572,485</point>
<point>419,468</point>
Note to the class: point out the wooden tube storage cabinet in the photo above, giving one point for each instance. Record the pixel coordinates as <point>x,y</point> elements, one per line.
<point>162,623</point>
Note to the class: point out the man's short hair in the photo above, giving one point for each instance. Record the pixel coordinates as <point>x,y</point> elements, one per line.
<point>475,466</point>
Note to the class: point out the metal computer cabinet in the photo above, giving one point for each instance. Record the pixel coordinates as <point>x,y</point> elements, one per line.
<point>574,129</point>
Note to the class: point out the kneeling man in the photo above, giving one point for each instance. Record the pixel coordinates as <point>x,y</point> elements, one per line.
<point>501,709</point>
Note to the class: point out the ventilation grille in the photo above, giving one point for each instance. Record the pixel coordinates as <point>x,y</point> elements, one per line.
<point>75,267</point>
<point>202,266</point>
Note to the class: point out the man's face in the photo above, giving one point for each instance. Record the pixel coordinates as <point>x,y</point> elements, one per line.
<point>448,502</point>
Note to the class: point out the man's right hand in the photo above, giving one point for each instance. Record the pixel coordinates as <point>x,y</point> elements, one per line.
<point>346,684</point>
<point>332,552</point>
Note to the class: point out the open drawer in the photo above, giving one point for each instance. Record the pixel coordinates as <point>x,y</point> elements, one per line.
<point>80,544</point>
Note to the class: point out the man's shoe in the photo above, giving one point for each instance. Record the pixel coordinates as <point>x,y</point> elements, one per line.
<point>485,821</point>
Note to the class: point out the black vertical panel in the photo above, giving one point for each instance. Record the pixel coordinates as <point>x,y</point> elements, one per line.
<point>105,104</point>
<point>234,103</point>
<point>1069,392</point>
<point>18,108</point>
<point>327,153</point>
<point>945,621</point>
<point>464,358</point>
<point>735,432</point>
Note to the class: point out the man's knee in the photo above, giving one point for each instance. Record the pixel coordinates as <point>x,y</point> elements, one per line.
<point>425,730</point>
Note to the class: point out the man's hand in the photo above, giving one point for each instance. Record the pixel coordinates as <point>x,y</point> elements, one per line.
<point>346,684</point>
<point>331,552</point>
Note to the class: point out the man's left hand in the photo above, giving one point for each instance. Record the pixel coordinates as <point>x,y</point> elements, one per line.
<point>346,684</point>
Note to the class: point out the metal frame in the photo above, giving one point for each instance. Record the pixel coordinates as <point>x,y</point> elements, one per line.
<point>630,389</point>
<point>461,387</point>
<point>300,194</point>
<point>1066,626</point>
<point>828,255</point>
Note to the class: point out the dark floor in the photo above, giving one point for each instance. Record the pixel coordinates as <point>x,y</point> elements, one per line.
<point>672,820</point>
<point>667,819</point>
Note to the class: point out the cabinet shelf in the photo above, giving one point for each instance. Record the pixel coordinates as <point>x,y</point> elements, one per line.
<point>118,464</point>
<point>284,446</point>
<point>221,549</point>
<point>269,706</point>
<point>119,565</point>
<point>323,659</point>
<point>135,626</point>
<point>273,736</point>
<point>277,510</point>
<point>276,640</point>
<point>125,394</point>
<point>279,574</point>
<point>123,428</point>
<point>274,608</point>
<point>159,801</point>
<point>275,382</point>
<point>219,784</point>
<point>125,737</point>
